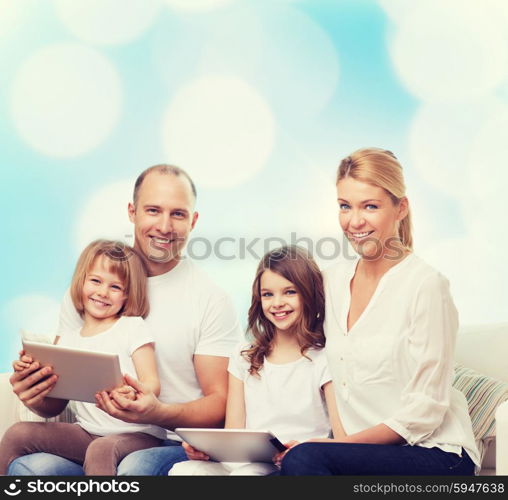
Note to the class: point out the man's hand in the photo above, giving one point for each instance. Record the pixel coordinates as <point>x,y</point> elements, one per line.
<point>144,409</point>
<point>33,384</point>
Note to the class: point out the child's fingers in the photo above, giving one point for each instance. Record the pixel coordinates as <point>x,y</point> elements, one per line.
<point>277,459</point>
<point>23,356</point>
<point>193,454</point>
<point>187,447</point>
<point>125,391</point>
<point>20,365</point>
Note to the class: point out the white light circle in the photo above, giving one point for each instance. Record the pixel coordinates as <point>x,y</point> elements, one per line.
<point>107,22</point>
<point>12,14</point>
<point>197,5</point>
<point>220,130</point>
<point>104,215</point>
<point>65,100</point>
<point>489,155</point>
<point>450,51</point>
<point>293,63</point>
<point>440,140</point>
<point>34,313</point>
<point>477,291</point>
<point>298,66</point>
<point>397,10</point>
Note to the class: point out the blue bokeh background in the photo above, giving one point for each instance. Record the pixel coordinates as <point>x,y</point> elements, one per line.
<point>258,100</point>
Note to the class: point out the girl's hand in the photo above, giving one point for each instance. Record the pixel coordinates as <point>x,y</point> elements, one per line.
<point>125,391</point>
<point>146,409</point>
<point>193,454</point>
<point>31,385</point>
<point>277,459</point>
<point>23,362</point>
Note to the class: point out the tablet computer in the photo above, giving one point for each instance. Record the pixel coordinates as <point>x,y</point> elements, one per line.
<point>81,373</point>
<point>233,445</point>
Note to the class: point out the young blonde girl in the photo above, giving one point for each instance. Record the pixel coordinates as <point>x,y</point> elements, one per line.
<point>108,290</point>
<point>280,381</point>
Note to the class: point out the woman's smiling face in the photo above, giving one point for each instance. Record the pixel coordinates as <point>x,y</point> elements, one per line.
<point>368,216</point>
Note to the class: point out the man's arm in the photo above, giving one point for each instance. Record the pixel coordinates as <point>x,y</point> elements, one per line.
<point>32,386</point>
<point>207,411</point>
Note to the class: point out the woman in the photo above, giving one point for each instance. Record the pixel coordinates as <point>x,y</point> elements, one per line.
<point>390,334</point>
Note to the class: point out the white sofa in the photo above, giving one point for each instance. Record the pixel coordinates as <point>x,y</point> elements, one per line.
<point>483,348</point>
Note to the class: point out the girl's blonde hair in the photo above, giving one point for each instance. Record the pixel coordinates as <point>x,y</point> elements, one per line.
<point>379,168</point>
<point>294,264</point>
<point>123,261</point>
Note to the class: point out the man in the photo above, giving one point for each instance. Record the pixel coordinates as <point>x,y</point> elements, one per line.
<point>193,323</point>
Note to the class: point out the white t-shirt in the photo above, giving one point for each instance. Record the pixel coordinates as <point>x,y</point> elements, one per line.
<point>189,315</point>
<point>122,338</point>
<point>395,365</point>
<point>286,399</point>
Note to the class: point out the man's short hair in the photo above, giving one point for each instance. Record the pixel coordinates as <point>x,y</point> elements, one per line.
<point>162,169</point>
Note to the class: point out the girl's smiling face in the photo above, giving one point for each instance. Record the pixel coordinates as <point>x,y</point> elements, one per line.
<point>368,216</point>
<point>103,291</point>
<point>280,300</point>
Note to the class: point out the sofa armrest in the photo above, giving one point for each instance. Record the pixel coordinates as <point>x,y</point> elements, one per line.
<point>12,410</point>
<point>8,404</point>
<point>502,439</point>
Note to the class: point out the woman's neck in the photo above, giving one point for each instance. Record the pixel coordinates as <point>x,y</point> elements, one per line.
<point>93,326</point>
<point>375,268</point>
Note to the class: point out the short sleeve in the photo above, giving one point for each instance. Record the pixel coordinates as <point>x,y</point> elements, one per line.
<point>219,330</point>
<point>69,319</point>
<point>138,331</point>
<point>431,343</point>
<point>238,365</point>
<point>321,367</point>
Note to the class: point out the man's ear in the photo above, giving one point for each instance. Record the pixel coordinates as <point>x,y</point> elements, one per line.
<point>132,211</point>
<point>195,217</point>
<point>403,208</point>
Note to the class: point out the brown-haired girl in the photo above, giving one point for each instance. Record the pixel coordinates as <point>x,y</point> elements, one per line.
<point>280,381</point>
<point>108,290</point>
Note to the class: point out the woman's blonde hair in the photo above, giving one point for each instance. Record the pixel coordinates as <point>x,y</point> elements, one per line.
<point>379,168</point>
<point>123,261</point>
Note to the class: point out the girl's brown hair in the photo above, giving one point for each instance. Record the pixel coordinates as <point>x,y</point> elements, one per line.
<point>121,260</point>
<point>294,264</point>
<point>380,168</point>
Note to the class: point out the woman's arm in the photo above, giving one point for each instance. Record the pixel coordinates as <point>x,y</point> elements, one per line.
<point>333,411</point>
<point>425,398</point>
<point>146,367</point>
<point>379,434</point>
<point>235,408</point>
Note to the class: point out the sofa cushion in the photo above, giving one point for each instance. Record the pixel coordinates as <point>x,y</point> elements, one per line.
<point>483,348</point>
<point>484,394</point>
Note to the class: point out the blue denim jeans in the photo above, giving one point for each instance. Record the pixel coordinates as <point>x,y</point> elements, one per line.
<point>338,459</point>
<point>149,462</point>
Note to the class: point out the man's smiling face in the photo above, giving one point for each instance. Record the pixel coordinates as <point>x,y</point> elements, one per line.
<point>163,217</point>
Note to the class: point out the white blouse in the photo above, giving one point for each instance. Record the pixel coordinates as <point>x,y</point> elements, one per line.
<point>395,365</point>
